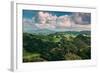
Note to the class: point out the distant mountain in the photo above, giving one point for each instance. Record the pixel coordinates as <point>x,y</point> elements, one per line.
<point>86,32</point>
<point>48,31</point>
<point>72,32</point>
<point>42,31</point>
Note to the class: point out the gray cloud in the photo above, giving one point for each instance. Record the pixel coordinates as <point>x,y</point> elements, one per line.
<point>81,18</point>
<point>45,20</point>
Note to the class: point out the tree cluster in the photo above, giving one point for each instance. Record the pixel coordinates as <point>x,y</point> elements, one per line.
<point>56,47</point>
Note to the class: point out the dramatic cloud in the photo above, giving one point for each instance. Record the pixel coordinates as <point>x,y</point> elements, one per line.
<point>81,21</point>
<point>47,20</point>
<point>63,21</point>
<point>81,18</point>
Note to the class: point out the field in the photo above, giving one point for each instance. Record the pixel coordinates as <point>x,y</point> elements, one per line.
<point>56,46</point>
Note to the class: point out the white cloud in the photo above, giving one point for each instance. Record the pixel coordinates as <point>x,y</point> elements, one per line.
<point>63,21</point>
<point>28,25</point>
<point>45,26</point>
<point>42,17</point>
<point>46,20</point>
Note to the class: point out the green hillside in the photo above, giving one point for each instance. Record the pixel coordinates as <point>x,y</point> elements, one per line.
<point>57,46</point>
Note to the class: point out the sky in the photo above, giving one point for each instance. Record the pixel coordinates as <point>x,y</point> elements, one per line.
<point>31,13</point>
<point>55,20</point>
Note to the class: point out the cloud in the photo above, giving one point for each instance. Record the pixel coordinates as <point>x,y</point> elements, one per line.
<point>45,26</point>
<point>81,18</point>
<point>63,21</point>
<point>47,20</point>
<point>28,25</point>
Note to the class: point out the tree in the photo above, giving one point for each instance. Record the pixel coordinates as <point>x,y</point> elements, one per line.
<point>84,49</point>
<point>72,56</point>
<point>68,46</point>
<point>31,57</point>
<point>85,53</point>
<point>57,54</point>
